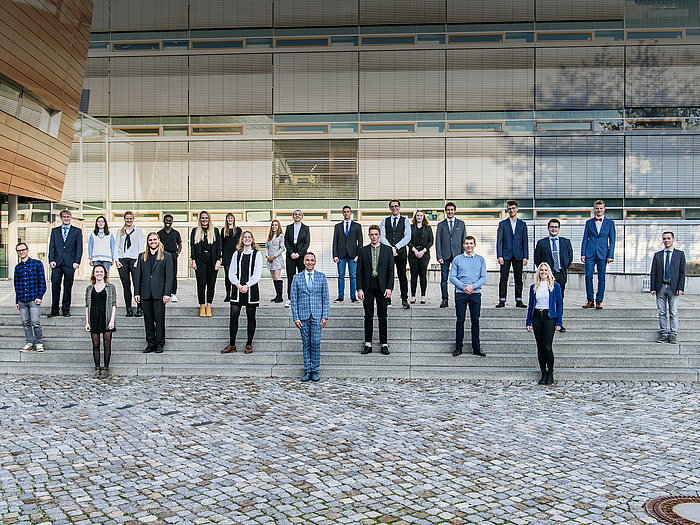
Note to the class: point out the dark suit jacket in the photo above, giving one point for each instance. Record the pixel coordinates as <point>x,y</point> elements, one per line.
<point>449,245</point>
<point>68,253</point>
<point>676,271</point>
<point>385,268</point>
<point>303,240</point>
<point>346,246</point>
<point>509,245</point>
<point>599,245</point>
<point>196,248</point>
<point>543,253</point>
<point>156,283</point>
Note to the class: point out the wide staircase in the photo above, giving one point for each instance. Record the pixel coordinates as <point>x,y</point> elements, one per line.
<point>609,344</point>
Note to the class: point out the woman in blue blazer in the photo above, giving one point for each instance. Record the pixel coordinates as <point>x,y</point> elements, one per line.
<point>544,312</point>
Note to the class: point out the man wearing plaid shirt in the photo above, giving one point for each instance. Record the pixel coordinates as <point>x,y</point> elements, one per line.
<point>30,287</point>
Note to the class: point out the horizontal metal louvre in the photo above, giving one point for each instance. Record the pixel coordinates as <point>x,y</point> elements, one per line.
<point>553,10</point>
<point>490,79</point>
<point>380,12</point>
<point>402,168</point>
<point>490,167</point>
<point>663,76</point>
<point>580,77</point>
<point>92,181</point>
<point>480,11</point>
<point>148,171</point>
<point>148,86</point>
<point>643,240</point>
<point>224,13</point>
<point>97,82</point>
<point>402,81</point>
<point>310,13</point>
<point>230,170</point>
<point>140,15</point>
<point>315,82</point>
<point>579,167</point>
<point>100,16</point>
<point>663,166</point>
<point>231,84</point>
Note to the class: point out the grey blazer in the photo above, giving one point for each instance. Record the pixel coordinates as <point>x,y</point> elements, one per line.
<point>111,300</point>
<point>449,245</point>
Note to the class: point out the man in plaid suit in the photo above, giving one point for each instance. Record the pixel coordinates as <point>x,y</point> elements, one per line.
<point>309,302</point>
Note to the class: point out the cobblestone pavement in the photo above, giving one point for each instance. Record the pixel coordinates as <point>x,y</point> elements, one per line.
<point>164,450</point>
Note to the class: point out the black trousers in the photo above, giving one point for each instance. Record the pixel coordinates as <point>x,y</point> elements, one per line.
<point>227,283</point>
<point>375,293</point>
<point>517,275</point>
<point>154,321</point>
<point>206,282</point>
<point>559,277</point>
<point>419,269</point>
<point>544,329</point>
<point>67,275</point>
<point>127,270</point>
<point>294,266</point>
<point>400,263</point>
<point>173,256</point>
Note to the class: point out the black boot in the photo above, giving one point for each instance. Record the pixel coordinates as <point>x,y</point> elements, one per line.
<point>543,379</point>
<point>129,312</point>
<point>550,378</point>
<point>279,285</point>
<point>139,312</point>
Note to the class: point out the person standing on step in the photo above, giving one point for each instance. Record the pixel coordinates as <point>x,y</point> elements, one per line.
<point>244,273</point>
<point>449,240</point>
<point>101,245</point>
<point>297,239</point>
<point>419,253</point>
<point>172,244</point>
<point>468,275</point>
<point>275,258</point>
<point>152,289</point>
<point>230,236</point>
<point>511,249</point>
<point>667,284</point>
<point>310,307</point>
<point>347,241</point>
<point>65,254</point>
<point>100,314</point>
<point>557,252</point>
<point>30,287</point>
<point>375,282</point>
<point>205,250</point>
<point>545,308</point>
<point>597,251</point>
<point>396,234</point>
<point>129,249</point>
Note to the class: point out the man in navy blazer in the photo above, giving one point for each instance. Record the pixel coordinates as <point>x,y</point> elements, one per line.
<point>597,250</point>
<point>449,237</point>
<point>557,252</point>
<point>667,283</point>
<point>347,241</point>
<point>511,248</point>
<point>65,254</point>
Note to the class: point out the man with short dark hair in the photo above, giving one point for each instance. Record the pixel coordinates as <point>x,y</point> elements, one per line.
<point>597,251</point>
<point>557,252</point>
<point>448,245</point>
<point>172,243</point>
<point>667,284</point>
<point>30,287</point>
<point>396,233</point>
<point>511,249</point>
<point>347,241</point>
<point>468,274</point>
<point>65,253</point>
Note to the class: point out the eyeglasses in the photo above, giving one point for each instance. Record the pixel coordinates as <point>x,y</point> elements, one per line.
<point>19,250</point>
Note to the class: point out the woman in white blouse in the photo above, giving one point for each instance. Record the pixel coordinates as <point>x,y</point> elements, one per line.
<point>129,247</point>
<point>244,274</point>
<point>544,316</point>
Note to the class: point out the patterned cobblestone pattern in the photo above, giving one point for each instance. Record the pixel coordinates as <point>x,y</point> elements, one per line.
<point>183,450</point>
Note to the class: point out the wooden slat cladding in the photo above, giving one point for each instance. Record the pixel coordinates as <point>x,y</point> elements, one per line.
<point>43,48</point>
<point>483,11</point>
<point>567,10</point>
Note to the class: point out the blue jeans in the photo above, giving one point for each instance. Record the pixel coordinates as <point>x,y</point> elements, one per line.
<point>445,277</point>
<point>30,312</point>
<point>666,295</point>
<point>352,267</point>
<point>311,341</point>
<point>591,263</point>
<point>106,264</point>
<point>474,302</point>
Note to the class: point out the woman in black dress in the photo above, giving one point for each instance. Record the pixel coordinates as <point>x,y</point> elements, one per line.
<point>100,311</point>
<point>230,235</point>
<point>205,250</point>
<point>245,273</point>
<point>419,253</point>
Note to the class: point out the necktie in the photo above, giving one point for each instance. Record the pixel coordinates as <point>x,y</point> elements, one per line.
<point>347,228</point>
<point>666,266</point>
<point>127,242</point>
<point>65,233</point>
<point>311,282</point>
<point>394,222</point>
<point>555,255</point>
<point>451,226</point>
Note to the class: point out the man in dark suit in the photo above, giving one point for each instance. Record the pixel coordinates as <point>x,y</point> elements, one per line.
<point>667,283</point>
<point>511,249</point>
<point>597,251</point>
<point>347,241</point>
<point>396,234</point>
<point>65,253</point>
<point>375,281</point>
<point>448,245</point>
<point>152,288</point>
<point>297,239</point>
<point>557,252</point>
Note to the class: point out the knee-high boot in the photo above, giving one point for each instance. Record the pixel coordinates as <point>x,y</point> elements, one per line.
<point>279,285</point>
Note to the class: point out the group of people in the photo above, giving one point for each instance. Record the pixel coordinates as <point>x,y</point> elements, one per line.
<point>394,242</point>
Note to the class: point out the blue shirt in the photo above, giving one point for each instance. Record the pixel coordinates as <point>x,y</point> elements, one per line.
<point>30,283</point>
<point>468,270</point>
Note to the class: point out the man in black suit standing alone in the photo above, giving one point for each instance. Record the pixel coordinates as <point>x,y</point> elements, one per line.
<point>448,245</point>
<point>557,252</point>
<point>65,253</point>
<point>667,284</point>
<point>297,239</point>
<point>396,234</point>
<point>347,241</point>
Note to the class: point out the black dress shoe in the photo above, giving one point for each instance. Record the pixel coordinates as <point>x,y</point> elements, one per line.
<point>562,329</point>
<point>338,300</point>
<point>139,312</point>
<point>385,350</point>
<point>479,353</point>
<point>53,314</point>
<point>550,378</point>
<point>159,350</point>
<point>315,376</point>
<point>228,299</point>
<point>307,377</point>
<point>149,349</point>
<point>129,312</point>
<point>66,314</point>
<point>458,351</point>
<point>366,350</point>
<point>543,379</point>
<point>445,303</point>
<point>520,304</point>
<point>354,300</point>
<point>405,305</point>
<point>501,304</point>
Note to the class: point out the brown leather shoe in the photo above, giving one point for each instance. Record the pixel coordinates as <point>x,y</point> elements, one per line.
<point>589,304</point>
<point>229,349</point>
<point>598,306</point>
<point>248,349</point>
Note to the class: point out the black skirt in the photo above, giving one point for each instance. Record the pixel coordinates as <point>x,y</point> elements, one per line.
<point>98,312</point>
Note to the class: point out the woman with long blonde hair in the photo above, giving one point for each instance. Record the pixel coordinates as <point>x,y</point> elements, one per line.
<point>275,257</point>
<point>230,236</point>
<point>129,247</point>
<point>205,250</point>
<point>544,316</point>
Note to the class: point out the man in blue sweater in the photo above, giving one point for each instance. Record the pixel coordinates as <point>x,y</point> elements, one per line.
<point>468,274</point>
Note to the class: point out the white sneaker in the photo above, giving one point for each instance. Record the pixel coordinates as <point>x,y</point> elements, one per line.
<point>288,304</point>
<point>173,298</point>
<point>39,348</point>
<point>27,348</point>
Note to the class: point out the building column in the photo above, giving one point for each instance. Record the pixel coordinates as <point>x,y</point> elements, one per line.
<point>11,234</point>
